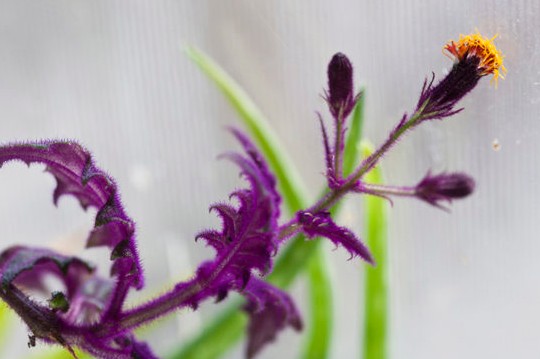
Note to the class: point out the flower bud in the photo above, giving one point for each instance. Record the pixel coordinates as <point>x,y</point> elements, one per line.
<point>444,187</point>
<point>340,95</point>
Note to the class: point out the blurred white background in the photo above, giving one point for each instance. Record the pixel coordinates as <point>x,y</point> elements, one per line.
<point>113,75</point>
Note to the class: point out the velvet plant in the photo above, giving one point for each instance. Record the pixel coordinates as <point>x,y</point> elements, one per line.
<point>90,312</point>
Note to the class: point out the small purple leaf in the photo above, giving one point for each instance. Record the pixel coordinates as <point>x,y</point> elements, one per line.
<point>270,311</point>
<point>77,175</point>
<point>139,350</point>
<point>89,301</point>
<point>328,156</point>
<point>321,224</point>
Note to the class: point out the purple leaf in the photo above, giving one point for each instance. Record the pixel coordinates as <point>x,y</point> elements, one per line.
<point>321,224</point>
<point>247,240</point>
<point>17,260</point>
<point>328,157</point>
<point>270,311</point>
<point>139,350</point>
<point>91,300</point>
<point>77,175</point>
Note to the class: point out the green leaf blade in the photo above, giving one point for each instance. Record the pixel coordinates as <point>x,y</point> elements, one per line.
<point>6,320</point>
<point>319,338</point>
<point>289,181</point>
<point>352,145</point>
<point>217,337</point>
<point>376,285</point>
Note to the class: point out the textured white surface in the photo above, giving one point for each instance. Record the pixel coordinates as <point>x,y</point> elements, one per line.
<point>113,75</point>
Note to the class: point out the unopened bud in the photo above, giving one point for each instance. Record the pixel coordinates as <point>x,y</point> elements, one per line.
<point>341,98</point>
<point>444,187</point>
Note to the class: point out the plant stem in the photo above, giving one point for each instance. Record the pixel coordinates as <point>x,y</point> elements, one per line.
<point>382,190</point>
<point>338,150</point>
<point>372,160</point>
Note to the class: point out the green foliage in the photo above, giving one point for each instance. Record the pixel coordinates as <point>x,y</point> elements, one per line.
<point>321,308</point>
<point>376,286</point>
<point>6,319</point>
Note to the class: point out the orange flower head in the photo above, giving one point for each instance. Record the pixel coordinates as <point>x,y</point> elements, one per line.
<point>475,45</point>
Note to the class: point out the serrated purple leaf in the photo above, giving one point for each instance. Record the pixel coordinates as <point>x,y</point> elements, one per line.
<point>321,224</point>
<point>87,298</point>
<point>247,239</point>
<point>77,175</point>
<point>245,243</point>
<point>17,260</point>
<point>92,300</point>
<point>270,311</point>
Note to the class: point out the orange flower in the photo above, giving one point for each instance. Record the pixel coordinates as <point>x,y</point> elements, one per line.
<point>475,45</point>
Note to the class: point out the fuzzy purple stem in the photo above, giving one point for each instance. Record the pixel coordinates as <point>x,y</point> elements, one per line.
<point>180,296</point>
<point>339,147</point>
<point>383,190</point>
<point>369,163</point>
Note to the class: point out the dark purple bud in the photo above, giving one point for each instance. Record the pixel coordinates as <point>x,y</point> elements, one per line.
<point>341,98</point>
<point>444,187</point>
<point>439,101</point>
